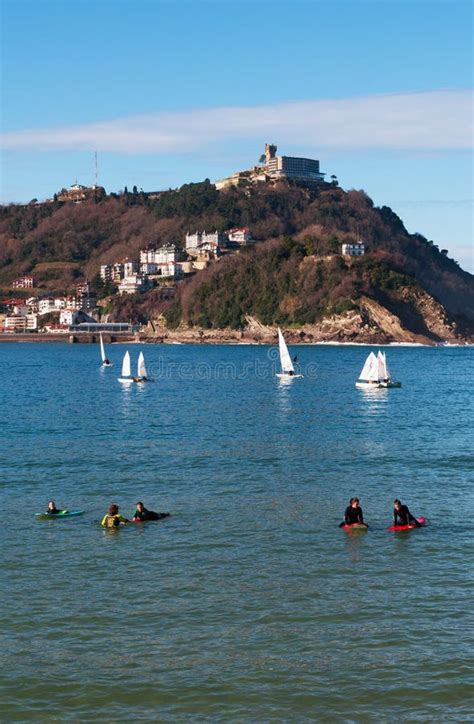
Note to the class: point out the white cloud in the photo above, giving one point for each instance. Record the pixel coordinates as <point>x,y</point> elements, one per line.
<point>433,120</point>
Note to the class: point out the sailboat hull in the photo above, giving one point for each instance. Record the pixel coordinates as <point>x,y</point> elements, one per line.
<point>131,380</point>
<point>286,376</point>
<point>377,385</point>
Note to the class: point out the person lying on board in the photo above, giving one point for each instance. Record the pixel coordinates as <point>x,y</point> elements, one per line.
<point>402,516</point>
<point>52,510</point>
<point>113,519</point>
<point>353,514</point>
<point>141,513</point>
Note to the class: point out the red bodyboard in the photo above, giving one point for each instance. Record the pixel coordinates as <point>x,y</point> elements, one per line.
<point>421,521</point>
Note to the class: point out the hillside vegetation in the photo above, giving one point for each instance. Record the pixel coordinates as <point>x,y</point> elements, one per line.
<point>294,276</point>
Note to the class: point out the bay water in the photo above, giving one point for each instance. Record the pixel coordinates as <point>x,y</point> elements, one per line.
<point>248,603</point>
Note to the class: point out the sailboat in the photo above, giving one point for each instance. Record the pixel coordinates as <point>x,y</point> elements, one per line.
<point>142,374</point>
<point>126,375</point>
<point>105,361</point>
<point>287,368</point>
<point>375,373</point>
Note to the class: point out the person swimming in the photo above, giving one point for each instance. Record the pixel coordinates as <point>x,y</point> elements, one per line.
<point>142,513</point>
<point>353,514</point>
<point>402,516</point>
<point>113,519</point>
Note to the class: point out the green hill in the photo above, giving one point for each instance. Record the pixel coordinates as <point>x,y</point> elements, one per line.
<point>294,276</point>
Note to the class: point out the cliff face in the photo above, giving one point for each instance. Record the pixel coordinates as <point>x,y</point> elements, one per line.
<point>369,323</point>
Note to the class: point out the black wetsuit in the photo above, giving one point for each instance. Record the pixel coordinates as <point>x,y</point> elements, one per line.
<point>149,515</point>
<point>352,515</point>
<point>404,516</point>
<point>53,512</point>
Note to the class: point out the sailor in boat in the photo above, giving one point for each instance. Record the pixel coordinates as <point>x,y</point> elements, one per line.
<point>402,516</point>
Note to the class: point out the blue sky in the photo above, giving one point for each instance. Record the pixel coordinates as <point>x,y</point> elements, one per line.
<point>174,91</point>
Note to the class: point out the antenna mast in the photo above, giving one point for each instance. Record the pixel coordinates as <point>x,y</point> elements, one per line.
<point>96,173</point>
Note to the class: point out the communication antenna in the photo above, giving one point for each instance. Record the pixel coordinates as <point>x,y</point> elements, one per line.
<point>96,172</point>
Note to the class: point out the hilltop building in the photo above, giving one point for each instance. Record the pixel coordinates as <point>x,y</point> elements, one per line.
<point>78,193</point>
<point>274,168</point>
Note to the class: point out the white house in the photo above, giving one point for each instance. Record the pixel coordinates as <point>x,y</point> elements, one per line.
<point>15,322</point>
<point>26,282</point>
<point>240,236</point>
<point>353,249</point>
<point>31,322</point>
<point>162,255</point>
<point>130,268</point>
<point>133,283</point>
<point>46,305</point>
<point>171,269</point>
<point>148,267</point>
<point>67,315</point>
<point>204,241</point>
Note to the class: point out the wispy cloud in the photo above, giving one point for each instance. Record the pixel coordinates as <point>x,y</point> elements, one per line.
<point>431,120</point>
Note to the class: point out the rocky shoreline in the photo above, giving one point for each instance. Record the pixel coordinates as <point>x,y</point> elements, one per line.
<point>369,323</point>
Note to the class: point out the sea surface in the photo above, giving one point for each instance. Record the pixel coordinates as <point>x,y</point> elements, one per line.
<point>248,604</point>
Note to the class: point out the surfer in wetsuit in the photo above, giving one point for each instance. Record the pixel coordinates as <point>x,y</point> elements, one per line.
<point>353,514</point>
<point>141,513</point>
<point>52,510</point>
<point>113,519</point>
<point>402,516</point>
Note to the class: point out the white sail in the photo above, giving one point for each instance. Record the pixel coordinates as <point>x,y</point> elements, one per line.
<point>102,350</point>
<point>387,371</point>
<point>381,366</point>
<point>285,359</point>
<point>370,369</point>
<point>126,367</point>
<point>141,366</point>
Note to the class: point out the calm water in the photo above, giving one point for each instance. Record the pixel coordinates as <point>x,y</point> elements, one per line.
<point>249,604</point>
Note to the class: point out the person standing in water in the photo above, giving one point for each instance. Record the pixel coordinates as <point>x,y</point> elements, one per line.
<point>353,514</point>
<point>113,519</point>
<point>402,516</point>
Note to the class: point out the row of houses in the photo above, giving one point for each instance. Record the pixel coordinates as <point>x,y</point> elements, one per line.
<point>171,262</point>
<point>26,314</point>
